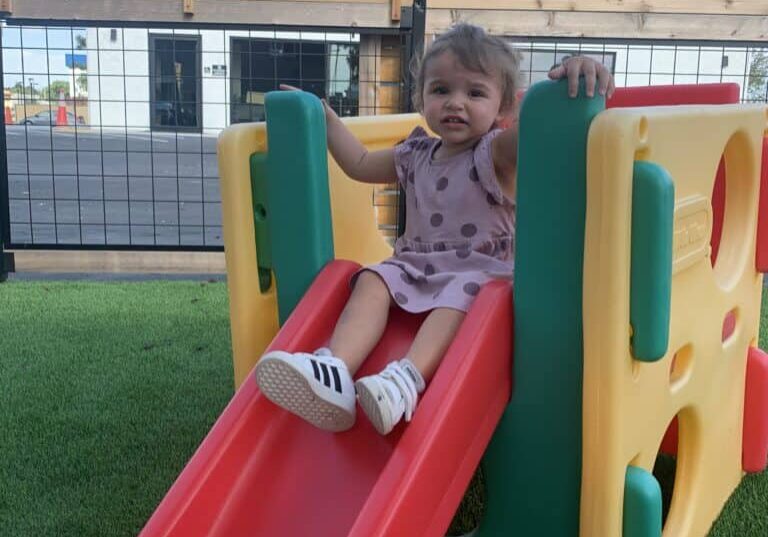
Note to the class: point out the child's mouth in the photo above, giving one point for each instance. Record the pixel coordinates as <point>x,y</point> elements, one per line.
<point>453,120</point>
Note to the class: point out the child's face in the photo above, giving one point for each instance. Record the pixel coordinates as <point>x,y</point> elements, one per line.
<point>460,105</point>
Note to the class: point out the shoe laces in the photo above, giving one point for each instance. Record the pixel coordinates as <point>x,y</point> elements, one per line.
<point>395,373</point>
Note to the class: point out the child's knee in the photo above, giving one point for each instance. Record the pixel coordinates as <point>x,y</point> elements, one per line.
<point>372,285</point>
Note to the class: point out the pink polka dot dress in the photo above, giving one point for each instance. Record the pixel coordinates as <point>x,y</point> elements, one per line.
<point>460,226</point>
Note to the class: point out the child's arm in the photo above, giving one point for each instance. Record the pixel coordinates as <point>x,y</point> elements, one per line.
<point>356,161</point>
<point>504,153</point>
<point>351,155</point>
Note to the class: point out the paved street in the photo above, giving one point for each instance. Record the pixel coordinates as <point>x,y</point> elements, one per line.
<point>112,187</point>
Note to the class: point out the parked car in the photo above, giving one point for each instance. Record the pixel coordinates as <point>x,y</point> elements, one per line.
<point>48,117</point>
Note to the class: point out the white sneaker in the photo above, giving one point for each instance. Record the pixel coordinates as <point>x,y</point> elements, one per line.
<point>388,396</point>
<point>316,387</point>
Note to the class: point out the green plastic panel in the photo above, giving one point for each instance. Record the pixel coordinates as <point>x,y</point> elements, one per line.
<point>642,504</point>
<point>533,463</point>
<point>300,231</point>
<point>653,207</point>
<point>260,220</point>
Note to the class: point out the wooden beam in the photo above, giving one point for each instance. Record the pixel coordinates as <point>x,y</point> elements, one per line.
<point>605,25</point>
<point>368,72</point>
<point>715,7</point>
<point>380,73</point>
<point>395,7</point>
<point>6,7</point>
<point>347,14</point>
<point>188,7</point>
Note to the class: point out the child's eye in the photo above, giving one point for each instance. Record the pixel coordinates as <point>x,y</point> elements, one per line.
<point>440,90</point>
<point>476,93</point>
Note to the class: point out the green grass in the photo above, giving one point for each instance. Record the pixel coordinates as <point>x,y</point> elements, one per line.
<point>106,389</point>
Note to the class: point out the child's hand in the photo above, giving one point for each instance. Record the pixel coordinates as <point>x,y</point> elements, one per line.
<point>593,71</point>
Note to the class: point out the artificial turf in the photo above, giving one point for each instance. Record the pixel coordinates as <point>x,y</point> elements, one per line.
<point>106,390</point>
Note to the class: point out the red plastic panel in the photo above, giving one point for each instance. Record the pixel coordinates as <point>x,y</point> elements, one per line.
<point>718,211</point>
<point>755,443</point>
<point>678,94</point>
<point>263,471</point>
<point>729,325</point>
<point>669,442</point>
<point>762,225</point>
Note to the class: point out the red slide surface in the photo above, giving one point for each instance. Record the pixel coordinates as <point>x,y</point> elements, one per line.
<point>262,471</point>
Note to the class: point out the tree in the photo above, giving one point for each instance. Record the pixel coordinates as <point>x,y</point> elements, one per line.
<point>757,84</point>
<point>82,85</point>
<point>30,91</point>
<point>80,42</point>
<point>53,92</point>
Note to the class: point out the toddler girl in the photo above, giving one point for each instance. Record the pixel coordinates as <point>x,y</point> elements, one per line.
<point>460,231</point>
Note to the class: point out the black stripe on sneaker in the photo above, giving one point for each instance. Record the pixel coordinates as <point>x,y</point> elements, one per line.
<point>315,369</point>
<point>326,377</point>
<point>336,379</point>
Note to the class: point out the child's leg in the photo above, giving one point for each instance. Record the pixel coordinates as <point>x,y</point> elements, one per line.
<point>393,393</point>
<point>362,322</point>
<point>318,387</point>
<point>433,338</point>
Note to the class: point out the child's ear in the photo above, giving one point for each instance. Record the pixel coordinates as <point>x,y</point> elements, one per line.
<point>513,108</point>
<point>507,117</point>
<point>505,122</point>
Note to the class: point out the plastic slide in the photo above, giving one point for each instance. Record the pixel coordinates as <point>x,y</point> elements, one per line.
<point>262,471</point>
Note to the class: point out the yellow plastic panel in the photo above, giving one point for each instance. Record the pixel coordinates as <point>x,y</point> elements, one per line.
<point>629,404</point>
<point>253,315</point>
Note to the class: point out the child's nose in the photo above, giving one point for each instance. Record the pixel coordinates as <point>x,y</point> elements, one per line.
<point>454,102</point>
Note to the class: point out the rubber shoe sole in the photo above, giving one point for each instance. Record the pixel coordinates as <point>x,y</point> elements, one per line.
<point>288,388</point>
<point>369,394</point>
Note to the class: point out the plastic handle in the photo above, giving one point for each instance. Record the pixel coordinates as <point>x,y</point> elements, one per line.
<point>653,207</point>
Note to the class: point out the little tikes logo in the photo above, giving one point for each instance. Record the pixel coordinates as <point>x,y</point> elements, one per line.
<point>692,229</point>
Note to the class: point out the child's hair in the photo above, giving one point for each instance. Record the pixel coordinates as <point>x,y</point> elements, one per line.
<point>477,51</point>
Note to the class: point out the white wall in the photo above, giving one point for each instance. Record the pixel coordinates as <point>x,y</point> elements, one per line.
<point>643,64</point>
<point>118,101</point>
<point>118,79</point>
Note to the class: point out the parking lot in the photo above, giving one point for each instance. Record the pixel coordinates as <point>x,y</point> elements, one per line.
<point>113,187</point>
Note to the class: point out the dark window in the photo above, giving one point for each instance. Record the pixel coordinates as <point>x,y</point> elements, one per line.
<point>260,66</point>
<point>175,82</point>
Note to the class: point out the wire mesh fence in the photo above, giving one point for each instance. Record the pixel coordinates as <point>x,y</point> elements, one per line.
<point>651,63</point>
<point>111,131</point>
